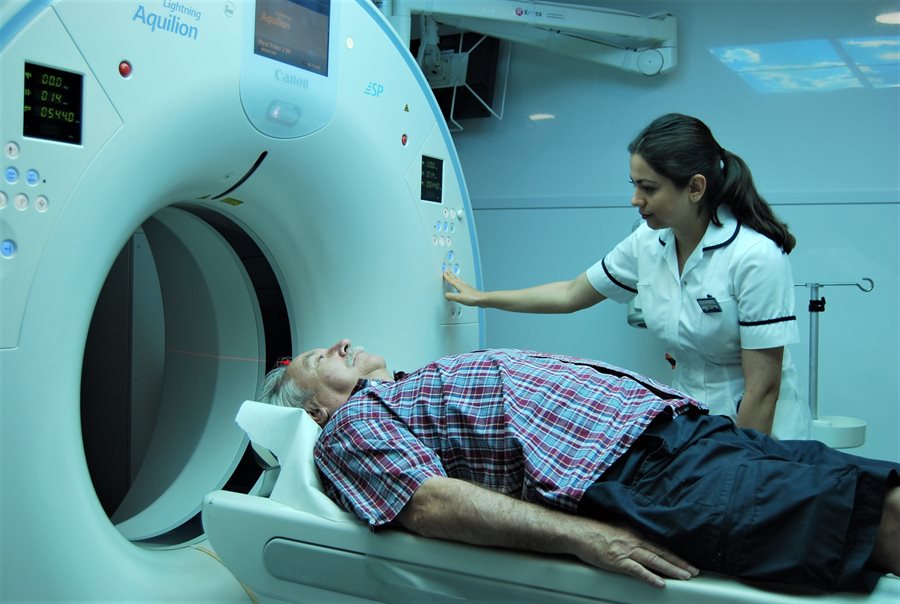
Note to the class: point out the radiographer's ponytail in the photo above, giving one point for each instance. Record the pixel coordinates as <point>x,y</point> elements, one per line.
<point>740,195</point>
<point>679,146</point>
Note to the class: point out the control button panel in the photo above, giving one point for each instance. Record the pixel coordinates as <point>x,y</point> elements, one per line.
<point>45,149</point>
<point>451,247</point>
<point>20,183</point>
<point>434,178</point>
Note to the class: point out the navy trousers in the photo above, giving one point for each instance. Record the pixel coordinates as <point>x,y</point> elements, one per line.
<point>738,502</point>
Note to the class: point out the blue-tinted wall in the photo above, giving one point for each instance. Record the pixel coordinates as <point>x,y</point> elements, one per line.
<point>551,197</point>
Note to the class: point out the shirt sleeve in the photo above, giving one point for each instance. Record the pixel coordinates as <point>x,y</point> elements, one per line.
<point>372,466</point>
<point>615,276</point>
<point>764,287</point>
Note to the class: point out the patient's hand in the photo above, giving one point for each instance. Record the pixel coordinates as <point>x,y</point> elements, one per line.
<point>623,550</point>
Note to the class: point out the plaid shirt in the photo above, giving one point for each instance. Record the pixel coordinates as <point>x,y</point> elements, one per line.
<point>541,427</point>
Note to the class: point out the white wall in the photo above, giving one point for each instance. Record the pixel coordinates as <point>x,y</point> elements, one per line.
<point>551,197</point>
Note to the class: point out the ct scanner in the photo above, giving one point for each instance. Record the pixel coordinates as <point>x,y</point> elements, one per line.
<point>290,180</point>
<point>263,177</point>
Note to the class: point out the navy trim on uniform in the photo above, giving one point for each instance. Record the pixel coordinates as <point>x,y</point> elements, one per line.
<point>661,242</point>
<point>767,321</point>
<point>726,242</point>
<point>614,280</point>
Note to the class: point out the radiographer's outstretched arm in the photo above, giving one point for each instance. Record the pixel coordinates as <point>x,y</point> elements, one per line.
<point>557,297</point>
<point>446,508</point>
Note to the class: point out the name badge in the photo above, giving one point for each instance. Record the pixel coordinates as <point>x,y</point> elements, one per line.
<point>709,304</point>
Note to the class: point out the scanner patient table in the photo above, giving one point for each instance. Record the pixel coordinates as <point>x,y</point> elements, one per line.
<point>303,548</point>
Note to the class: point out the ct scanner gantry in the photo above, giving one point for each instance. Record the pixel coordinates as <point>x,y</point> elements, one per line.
<point>190,190</point>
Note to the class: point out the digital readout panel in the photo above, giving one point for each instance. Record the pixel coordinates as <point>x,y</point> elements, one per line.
<point>52,104</point>
<point>294,32</point>
<point>432,178</point>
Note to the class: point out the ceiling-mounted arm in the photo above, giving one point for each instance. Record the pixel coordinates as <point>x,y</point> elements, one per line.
<point>634,43</point>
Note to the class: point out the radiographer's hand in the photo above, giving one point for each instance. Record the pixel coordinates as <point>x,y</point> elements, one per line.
<point>556,297</point>
<point>465,294</point>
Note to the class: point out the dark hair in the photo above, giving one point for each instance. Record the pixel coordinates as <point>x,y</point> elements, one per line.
<point>680,146</point>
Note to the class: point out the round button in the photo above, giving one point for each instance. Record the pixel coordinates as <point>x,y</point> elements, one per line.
<point>8,248</point>
<point>434,240</point>
<point>11,175</point>
<point>460,214</point>
<point>32,177</point>
<point>450,256</point>
<point>3,200</point>
<point>21,201</point>
<point>455,269</point>
<point>11,149</point>
<point>41,204</point>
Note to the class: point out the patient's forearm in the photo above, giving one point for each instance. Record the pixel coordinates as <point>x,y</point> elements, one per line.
<point>446,508</point>
<point>451,509</point>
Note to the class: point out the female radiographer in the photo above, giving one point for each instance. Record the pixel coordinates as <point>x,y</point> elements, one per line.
<point>710,264</point>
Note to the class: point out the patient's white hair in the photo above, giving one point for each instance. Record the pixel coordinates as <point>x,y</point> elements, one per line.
<point>280,390</point>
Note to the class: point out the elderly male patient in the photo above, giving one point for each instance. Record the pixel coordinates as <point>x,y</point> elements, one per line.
<point>563,455</point>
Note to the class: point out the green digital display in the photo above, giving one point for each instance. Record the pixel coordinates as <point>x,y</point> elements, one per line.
<point>52,104</point>
<point>432,178</point>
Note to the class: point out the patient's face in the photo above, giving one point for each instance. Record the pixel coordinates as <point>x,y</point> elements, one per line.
<point>333,372</point>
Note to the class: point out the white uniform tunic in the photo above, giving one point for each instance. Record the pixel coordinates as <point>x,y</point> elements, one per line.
<point>736,291</point>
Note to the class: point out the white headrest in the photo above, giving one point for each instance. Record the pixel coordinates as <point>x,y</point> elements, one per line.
<point>290,434</point>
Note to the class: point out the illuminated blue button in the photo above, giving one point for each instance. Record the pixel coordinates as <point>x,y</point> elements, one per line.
<point>455,269</point>
<point>32,177</point>
<point>11,175</point>
<point>8,248</point>
<point>450,256</point>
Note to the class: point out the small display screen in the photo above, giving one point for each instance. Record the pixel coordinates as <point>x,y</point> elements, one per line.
<point>432,178</point>
<point>52,104</point>
<point>294,32</point>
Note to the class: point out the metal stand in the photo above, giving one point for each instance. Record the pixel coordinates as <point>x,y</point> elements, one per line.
<point>836,431</point>
<point>816,306</point>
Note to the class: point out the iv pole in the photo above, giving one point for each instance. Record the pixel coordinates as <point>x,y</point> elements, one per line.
<point>817,306</point>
